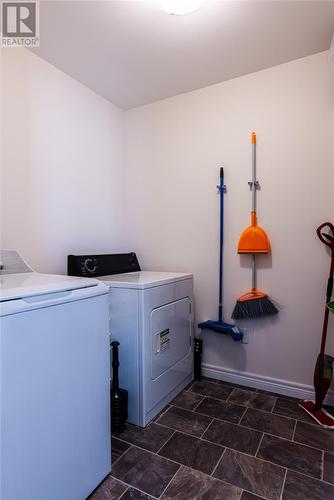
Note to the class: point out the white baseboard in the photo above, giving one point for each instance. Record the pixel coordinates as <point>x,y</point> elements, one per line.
<point>284,387</point>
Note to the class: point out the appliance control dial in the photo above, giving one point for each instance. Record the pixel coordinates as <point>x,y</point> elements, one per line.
<point>90,265</point>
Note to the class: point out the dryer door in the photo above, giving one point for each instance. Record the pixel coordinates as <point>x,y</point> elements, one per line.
<point>170,327</point>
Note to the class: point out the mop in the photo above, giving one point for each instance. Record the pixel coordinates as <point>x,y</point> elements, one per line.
<point>323,371</point>
<point>220,326</point>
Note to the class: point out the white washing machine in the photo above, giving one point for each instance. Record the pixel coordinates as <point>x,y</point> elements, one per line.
<point>151,317</point>
<point>54,384</point>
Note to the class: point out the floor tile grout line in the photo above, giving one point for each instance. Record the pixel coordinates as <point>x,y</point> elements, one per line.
<point>114,461</point>
<point>294,432</point>
<point>273,435</point>
<point>151,453</point>
<point>178,430</point>
<point>258,431</point>
<point>271,412</point>
<point>212,419</point>
<point>170,481</point>
<point>250,389</point>
<point>309,422</point>
<point>251,492</point>
<point>222,445</point>
<point>273,463</point>
<point>180,465</point>
<point>253,395</point>
<point>251,407</point>
<point>309,446</point>
<point>283,484</point>
<point>285,467</point>
<point>170,437</point>
<point>305,475</point>
<point>213,397</point>
<point>226,481</point>
<point>197,470</point>
<point>322,465</point>
<point>228,397</point>
<point>215,417</point>
<point>223,480</point>
<point>245,408</point>
<point>218,461</point>
<point>194,409</point>
<point>296,420</point>
<point>237,425</point>
<point>161,413</point>
<point>235,405</point>
<point>192,412</point>
<point>119,498</point>
<point>131,486</point>
<point>258,448</point>
<point>242,416</point>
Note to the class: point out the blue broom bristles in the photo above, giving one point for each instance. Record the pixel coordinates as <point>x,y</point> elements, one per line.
<point>254,308</point>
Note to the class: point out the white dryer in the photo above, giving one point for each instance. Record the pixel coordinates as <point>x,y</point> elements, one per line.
<point>151,317</point>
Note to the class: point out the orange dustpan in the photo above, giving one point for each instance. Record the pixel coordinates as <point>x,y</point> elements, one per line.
<point>253,239</point>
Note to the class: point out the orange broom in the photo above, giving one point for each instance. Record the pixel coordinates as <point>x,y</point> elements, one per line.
<point>253,240</point>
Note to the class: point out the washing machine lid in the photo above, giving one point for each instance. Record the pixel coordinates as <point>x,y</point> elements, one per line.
<point>143,279</point>
<point>28,284</point>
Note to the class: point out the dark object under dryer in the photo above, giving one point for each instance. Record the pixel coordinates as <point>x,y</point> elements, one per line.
<point>119,397</point>
<point>198,346</point>
<point>92,266</point>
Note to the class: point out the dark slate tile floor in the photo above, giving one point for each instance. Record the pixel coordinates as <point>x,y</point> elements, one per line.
<point>219,441</point>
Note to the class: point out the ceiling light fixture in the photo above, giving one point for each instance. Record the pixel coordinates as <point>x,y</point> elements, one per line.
<point>180,7</point>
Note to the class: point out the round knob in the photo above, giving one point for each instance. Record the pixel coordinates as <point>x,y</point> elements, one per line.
<point>90,265</point>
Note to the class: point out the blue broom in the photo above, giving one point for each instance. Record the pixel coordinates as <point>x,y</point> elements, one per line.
<point>220,326</point>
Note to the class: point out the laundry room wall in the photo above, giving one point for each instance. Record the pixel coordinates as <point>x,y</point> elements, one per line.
<point>174,149</point>
<point>62,164</point>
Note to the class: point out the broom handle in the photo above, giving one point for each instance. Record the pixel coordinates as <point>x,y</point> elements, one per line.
<point>254,174</point>
<point>253,272</point>
<point>221,243</point>
<point>253,204</point>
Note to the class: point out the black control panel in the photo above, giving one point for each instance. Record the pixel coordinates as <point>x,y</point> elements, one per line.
<point>101,265</point>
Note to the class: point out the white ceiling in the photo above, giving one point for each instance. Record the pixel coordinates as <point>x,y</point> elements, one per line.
<point>133,53</point>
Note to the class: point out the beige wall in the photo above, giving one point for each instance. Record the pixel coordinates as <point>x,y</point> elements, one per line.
<point>174,149</point>
<point>62,164</point>
<point>75,180</point>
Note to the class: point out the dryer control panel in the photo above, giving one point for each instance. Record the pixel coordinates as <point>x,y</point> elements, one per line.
<point>93,266</point>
